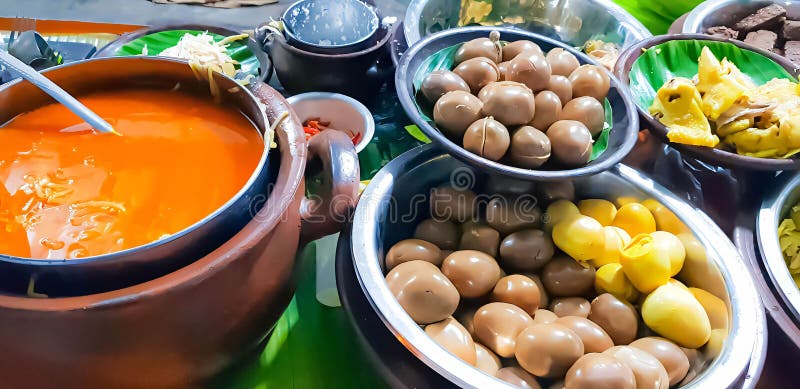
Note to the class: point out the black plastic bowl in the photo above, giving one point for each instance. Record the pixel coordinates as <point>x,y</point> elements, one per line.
<point>621,139</point>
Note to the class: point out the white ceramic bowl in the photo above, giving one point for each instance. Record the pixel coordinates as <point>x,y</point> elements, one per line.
<point>343,112</point>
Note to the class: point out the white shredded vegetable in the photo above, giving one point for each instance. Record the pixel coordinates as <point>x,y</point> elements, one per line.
<point>202,51</point>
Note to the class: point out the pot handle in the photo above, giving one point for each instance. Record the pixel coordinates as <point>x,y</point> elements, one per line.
<point>332,180</point>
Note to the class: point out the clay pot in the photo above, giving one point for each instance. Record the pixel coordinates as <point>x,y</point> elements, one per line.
<point>358,74</point>
<point>179,329</point>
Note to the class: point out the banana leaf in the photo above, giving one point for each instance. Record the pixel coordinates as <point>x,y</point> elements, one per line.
<point>160,41</point>
<point>679,58</point>
<point>658,16</point>
<point>445,60</point>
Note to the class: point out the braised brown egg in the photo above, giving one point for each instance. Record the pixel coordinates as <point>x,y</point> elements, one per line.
<point>548,110</point>
<point>570,306</point>
<point>497,326</point>
<point>562,87</point>
<point>590,80</point>
<point>548,350</point>
<point>616,317</point>
<point>412,250</point>
<point>527,250</point>
<point>562,62</point>
<point>439,82</point>
<point>518,290</point>
<point>479,47</point>
<point>513,49</point>
<point>448,203</point>
<point>451,335</point>
<point>586,110</point>
<point>455,111</point>
<point>594,339</point>
<point>530,148</point>
<point>531,69</point>
<point>599,371</point>
<point>571,142</point>
<point>423,291</point>
<point>478,72</point>
<point>508,214</point>
<point>442,233</point>
<point>564,276</point>
<point>473,273</point>
<point>508,102</point>
<point>488,138</point>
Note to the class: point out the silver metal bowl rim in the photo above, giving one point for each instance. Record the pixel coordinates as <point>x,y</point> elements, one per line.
<point>769,217</point>
<point>369,121</point>
<point>288,31</point>
<point>695,18</point>
<point>257,171</point>
<point>633,25</point>
<point>748,320</point>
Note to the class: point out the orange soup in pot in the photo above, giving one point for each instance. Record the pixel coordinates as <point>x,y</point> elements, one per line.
<point>69,192</point>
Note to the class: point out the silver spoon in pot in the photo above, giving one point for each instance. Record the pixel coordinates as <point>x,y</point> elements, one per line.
<point>28,73</point>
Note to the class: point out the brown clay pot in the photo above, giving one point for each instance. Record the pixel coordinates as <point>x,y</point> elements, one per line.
<point>178,330</point>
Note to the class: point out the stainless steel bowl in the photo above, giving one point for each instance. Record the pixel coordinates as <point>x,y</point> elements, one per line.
<point>712,13</point>
<point>396,199</point>
<point>330,26</point>
<point>775,207</point>
<point>571,21</point>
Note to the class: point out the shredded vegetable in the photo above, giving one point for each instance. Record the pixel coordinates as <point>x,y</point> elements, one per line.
<point>202,51</point>
<point>314,126</point>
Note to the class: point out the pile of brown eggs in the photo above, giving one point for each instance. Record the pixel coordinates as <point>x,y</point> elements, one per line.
<point>504,291</point>
<point>511,102</point>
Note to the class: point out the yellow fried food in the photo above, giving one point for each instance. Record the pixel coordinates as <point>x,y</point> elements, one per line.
<point>601,210</point>
<point>635,219</point>
<point>674,313</point>
<point>610,278</point>
<point>665,219</point>
<point>720,84</point>
<point>615,240</point>
<point>644,264</point>
<point>579,237</point>
<point>715,308</point>
<point>672,246</point>
<point>678,106</point>
<point>776,133</point>
<point>789,240</point>
<point>558,211</point>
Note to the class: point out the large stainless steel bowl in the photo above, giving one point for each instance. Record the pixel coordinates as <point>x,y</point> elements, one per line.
<point>571,21</point>
<point>712,13</point>
<point>395,201</point>
<point>776,206</point>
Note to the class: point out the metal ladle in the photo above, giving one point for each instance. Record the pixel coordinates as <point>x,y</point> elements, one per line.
<point>19,68</point>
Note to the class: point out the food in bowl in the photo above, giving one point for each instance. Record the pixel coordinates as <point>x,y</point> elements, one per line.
<point>589,292</point>
<point>769,28</point>
<point>69,192</point>
<point>789,239</point>
<point>314,126</point>
<point>723,107</point>
<point>511,102</point>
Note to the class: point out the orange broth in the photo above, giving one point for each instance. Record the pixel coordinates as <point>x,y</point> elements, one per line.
<point>71,193</point>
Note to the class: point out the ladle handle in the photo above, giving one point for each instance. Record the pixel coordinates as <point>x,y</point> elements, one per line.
<point>19,68</point>
<point>332,175</point>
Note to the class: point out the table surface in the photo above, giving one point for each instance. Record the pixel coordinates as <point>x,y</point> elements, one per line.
<point>313,345</point>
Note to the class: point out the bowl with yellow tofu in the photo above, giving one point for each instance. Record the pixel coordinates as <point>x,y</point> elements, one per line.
<point>719,101</point>
<point>456,277</point>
